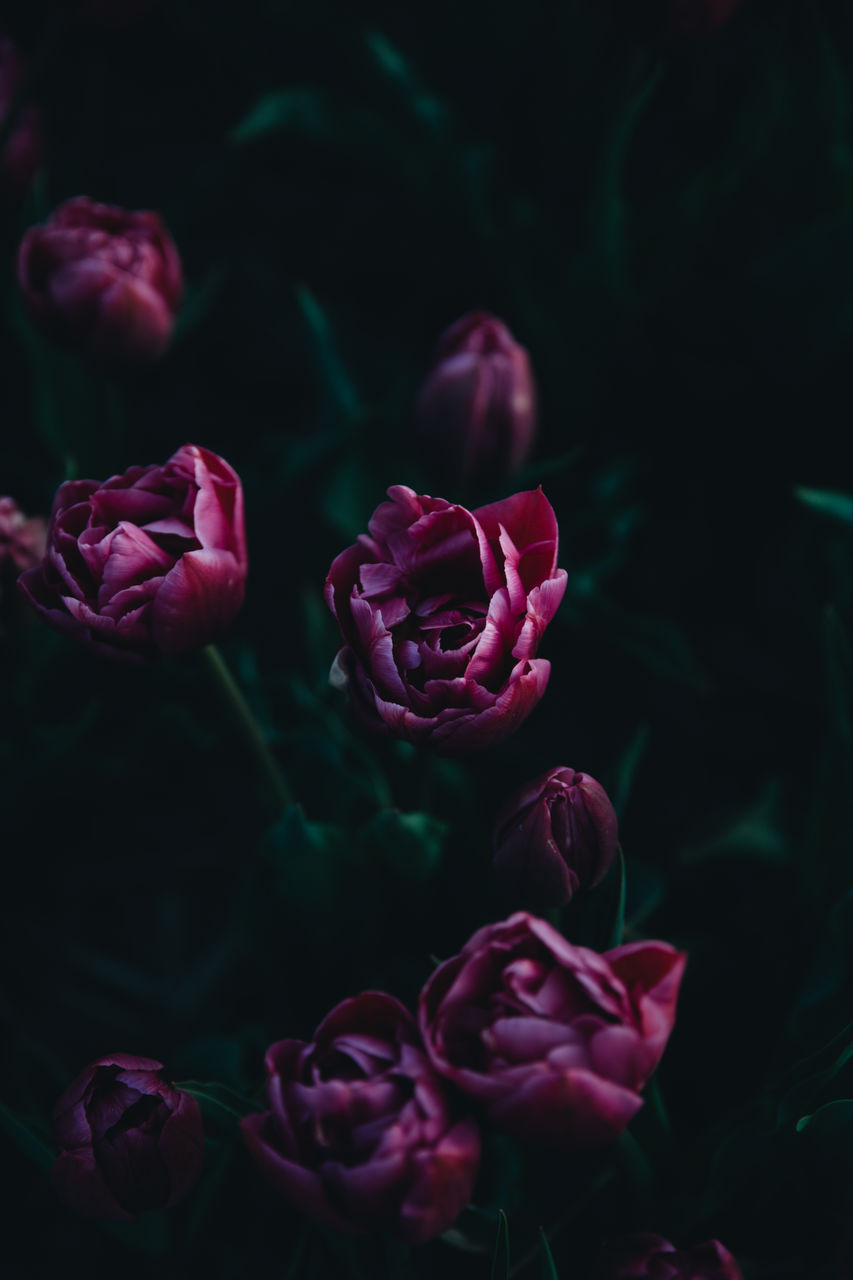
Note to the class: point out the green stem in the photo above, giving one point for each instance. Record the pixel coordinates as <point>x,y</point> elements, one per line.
<point>248,727</point>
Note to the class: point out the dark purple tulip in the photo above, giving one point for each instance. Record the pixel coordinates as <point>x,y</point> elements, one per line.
<point>553,1041</point>
<point>22,540</point>
<point>476,412</point>
<point>441,611</point>
<point>360,1135</point>
<point>150,562</point>
<point>555,836</point>
<point>650,1257</point>
<point>102,280</point>
<point>22,153</point>
<point>129,1140</point>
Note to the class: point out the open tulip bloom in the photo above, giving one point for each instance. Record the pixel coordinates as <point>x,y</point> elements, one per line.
<point>553,1041</point>
<point>442,611</point>
<point>146,563</point>
<point>361,1133</point>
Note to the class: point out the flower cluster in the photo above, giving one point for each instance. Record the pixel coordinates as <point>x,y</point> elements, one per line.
<point>547,1042</point>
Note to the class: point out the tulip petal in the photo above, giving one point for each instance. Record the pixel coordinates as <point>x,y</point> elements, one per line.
<point>198,599</point>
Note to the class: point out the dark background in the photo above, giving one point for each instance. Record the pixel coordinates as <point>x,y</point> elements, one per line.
<point>667,225</point>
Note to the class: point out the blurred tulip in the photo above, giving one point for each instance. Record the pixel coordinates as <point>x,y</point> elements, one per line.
<point>130,1141</point>
<point>102,280</point>
<point>22,153</point>
<point>650,1257</point>
<point>476,412</point>
<point>22,540</point>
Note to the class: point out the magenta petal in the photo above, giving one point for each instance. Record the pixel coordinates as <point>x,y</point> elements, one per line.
<point>199,597</point>
<point>78,1181</point>
<point>578,1110</point>
<point>182,1146</point>
<point>443,1184</point>
<point>302,1187</point>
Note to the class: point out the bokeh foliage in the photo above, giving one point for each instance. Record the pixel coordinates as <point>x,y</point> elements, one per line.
<point>669,230</point>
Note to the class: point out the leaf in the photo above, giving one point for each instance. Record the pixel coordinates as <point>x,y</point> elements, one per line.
<point>218,1101</point>
<point>423,105</point>
<point>756,833</point>
<point>500,1257</point>
<point>206,1194</point>
<point>628,767</point>
<point>828,502</point>
<point>829,1134</point>
<point>304,109</point>
<point>618,930</point>
<point>407,845</point>
<point>349,496</point>
<point>28,1142</point>
<point>197,303</point>
<point>547,1269</point>
<point>336,381</point>
<point>308,859</point>
<point>655,643</point>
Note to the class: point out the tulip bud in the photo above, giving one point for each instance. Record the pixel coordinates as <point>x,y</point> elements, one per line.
<point>555,836</point>
<point>476,412</point>
<point>129,1140</point>
<point>23,150</point>
<point>102,280</point>
<point>651,1257</point>
<point>22,541</point>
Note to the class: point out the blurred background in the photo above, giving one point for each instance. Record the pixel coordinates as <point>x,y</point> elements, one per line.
<point>665,220</point>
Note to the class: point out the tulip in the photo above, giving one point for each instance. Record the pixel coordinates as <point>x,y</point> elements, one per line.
<point>22,152</point>
<point>102,280</point>
<point>554,1042</point>
<point>22,540</point>
<point>360,1134</point>
<point>650,1257</point>
<point>146,563</point>
<point>441,611</point>
<point>555,836</point>
<point>129,1140</point>
<point>476,412</point>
